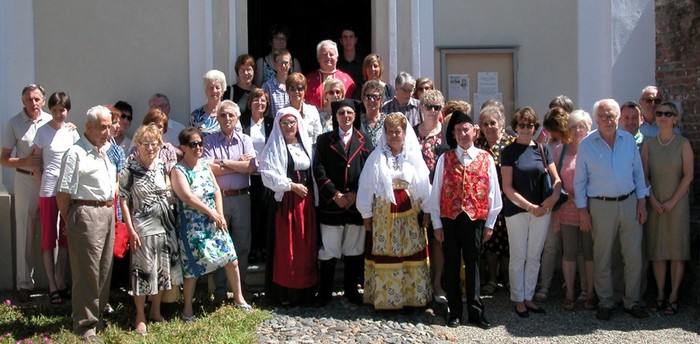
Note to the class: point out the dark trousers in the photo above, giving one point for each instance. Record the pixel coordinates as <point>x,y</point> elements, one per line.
<point>463,241</point>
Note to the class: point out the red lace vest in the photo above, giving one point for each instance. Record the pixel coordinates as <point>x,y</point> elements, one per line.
<point>465,188</point>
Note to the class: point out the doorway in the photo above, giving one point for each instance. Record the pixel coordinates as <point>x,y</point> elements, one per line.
<point>309,22</point>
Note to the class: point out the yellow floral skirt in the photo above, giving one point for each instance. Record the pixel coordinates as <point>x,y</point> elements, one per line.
<point>397,272</point>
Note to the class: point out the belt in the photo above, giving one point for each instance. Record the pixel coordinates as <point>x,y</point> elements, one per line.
<point>237,192</point>
<point>107,203</point>
<point>614,199</point>
<point>24,171</point>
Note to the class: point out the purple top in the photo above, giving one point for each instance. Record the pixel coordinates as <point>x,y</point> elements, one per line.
<point>219,146</point>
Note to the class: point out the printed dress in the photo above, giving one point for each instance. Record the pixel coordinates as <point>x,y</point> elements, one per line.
<point>155,265</point>
<point>203,247</point>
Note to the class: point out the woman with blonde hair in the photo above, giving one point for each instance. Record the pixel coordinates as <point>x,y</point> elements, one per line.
<point>333,91</point>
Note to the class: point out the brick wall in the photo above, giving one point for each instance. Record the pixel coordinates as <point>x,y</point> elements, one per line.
<point>678,66</point>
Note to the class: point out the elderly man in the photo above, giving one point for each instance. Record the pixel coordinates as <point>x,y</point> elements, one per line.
<point>231,157</point>
<point>327,55</point>
<point>463,218</point>
<point>631,119</point>
<point>160,101</point>
<point>86,190</point>
<point>610,194</point>
<point>339,159</point>
<point>19,136</point>
<point>403,101</point>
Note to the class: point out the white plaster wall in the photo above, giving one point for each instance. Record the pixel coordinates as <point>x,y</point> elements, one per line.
<point>544,31</point>
<point>101,51</point>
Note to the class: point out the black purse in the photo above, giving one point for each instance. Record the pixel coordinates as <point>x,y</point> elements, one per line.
<point>547,180</point>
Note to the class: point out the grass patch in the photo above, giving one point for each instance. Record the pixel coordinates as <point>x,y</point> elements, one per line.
<point>40,322</point>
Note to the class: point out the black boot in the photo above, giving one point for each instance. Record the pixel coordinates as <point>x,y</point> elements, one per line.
<point>353,273</point>
<point>325,288</point>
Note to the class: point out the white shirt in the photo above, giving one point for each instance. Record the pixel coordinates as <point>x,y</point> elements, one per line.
<point>495,201</point>
<point>312,120</point>
<point>86,173</point>
<point>174,129</point>
<point>19,132</point>
<point>53,144</point>
<point>257,133</point>
<point>345,136</point>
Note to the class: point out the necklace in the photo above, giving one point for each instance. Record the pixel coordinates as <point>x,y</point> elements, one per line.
<point>658,137</point>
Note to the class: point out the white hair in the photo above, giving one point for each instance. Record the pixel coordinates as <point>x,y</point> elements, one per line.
<point>228,104</point>
<point>578,116</point>
<point>329,43</point>
<point>214,75</point>
<point>95,111</point>
<point>607,102</point>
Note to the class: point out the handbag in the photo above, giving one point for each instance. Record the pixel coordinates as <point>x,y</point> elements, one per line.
<point>547,180</point>
<point>121,236</point>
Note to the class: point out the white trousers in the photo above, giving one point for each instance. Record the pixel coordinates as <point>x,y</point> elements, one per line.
<point>27,227</point>
<point>347,240</point>
<point>526,234</point>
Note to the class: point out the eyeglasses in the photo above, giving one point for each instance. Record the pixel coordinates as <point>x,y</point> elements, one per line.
<point>283,63</point>
<point>296,88</point>
<point>652,100</point>
<point>147,145</point>
<point>345,112</point>
<point>372,97</point>
<point>608,118</point>
<point>433,107</point>
<point>195,144</point>
<point>665,113</point>
<point>526,125</point>
<point>288,124</point>
<point>125,116</point>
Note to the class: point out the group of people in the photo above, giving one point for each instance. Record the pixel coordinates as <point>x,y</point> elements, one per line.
<point>402,185</point>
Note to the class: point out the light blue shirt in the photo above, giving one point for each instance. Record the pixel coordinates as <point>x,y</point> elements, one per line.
<point>651,130</point>
<point>601,171</point>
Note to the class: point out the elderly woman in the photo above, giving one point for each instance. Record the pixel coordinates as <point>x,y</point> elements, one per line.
<point>494,139</point>
<point>393,188</point>
<point>327,55</point>
<point>204,117</point>
<point>526,209</point>
<point>333,91</point>
<point>265,66</point>
<point>668,167</point>
<point>239,92</point>
<point>51,142</point>
<point>422,84</point>
<point>143,185</point>
<point>566,219</point>
<point>285,166</point>
<point>429,134</point>
<point>373,69</point>
<point>372,121</point>
<point>205,244</point>
<point>276,87</point>
<point>167,152</point>
<point>296,89</point>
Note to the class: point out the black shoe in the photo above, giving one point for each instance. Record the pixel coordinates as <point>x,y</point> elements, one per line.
<point>454,322</point>
<point>523,314</point>
<point>637,312</point>
<point>321,301</point>
<point>538,310</point>
<point>482,323</point>
<point>603,313</point>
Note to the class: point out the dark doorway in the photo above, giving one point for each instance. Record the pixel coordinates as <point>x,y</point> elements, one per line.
<point>309,22</point>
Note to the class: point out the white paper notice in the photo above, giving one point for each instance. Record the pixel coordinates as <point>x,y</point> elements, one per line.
<point>487,82</point>
<point>459,87</point>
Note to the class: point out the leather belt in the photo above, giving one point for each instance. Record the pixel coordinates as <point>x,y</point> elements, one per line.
<point>614,199</point>
<point>237,192</point>
<point>88,203</point>
<point>24,171</point>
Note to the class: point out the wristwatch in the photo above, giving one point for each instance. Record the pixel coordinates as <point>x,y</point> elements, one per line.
<point>221,164</point>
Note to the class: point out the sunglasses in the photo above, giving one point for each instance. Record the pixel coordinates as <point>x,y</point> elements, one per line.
<point>433,107</point>
<point>652,100</point>
<point>345,112</point>
<point>296,88</point>
<point>526,125</point>
<point>372,97</point>
<point>195,144</point>
<point>125,116</point>
<point>665,113</point>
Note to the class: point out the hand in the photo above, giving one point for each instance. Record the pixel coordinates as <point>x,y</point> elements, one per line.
<point>439,234</point>
<point>135,241</point>
<point>219,220</point>
<point>538,211</point>
<point>486,234</point>
<point>368,224</point>
<point>642,211</point>
<point>340,200</point>
<point>426,220</point>
<point>245,157</point>
<point>584,219</point>
<point>549,203</point>
<point>70,126</point>
<point>32,161</point>
<point>656,205</point>
<point>350,197</point>
<point>667,206</point>
<point>300,190</point>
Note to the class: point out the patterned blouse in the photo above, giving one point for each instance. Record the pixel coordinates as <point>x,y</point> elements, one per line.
<point>429,147</point>
<point>496,150</point>
<point>376,132</point>
<point>201,120</point>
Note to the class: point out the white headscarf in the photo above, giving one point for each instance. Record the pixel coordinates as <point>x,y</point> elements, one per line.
<point>273,159</point>
<point>378,160</point>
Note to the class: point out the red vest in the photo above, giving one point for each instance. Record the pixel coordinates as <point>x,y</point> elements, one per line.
<point>465,188</point>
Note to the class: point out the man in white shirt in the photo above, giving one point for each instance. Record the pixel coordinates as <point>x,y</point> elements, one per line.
<point>18,135</point>
<point>85,197</point>
<point>161,101</point>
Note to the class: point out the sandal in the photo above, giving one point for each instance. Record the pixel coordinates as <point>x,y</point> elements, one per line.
<point>65,293</point>
<point>246,308</point>
<point>489,288</point>
<point>55,297</point>
<point>542,295</point>
<point>568,304</point>
<point>660,305</point>
<point>672,308</point>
